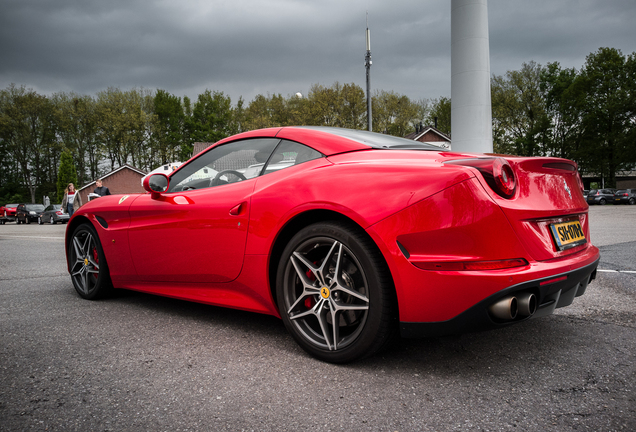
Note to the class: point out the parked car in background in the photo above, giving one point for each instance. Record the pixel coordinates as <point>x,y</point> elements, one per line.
<point>586,192</point>
<point>600,196</point>
<point>625,196</point>
<point>8,211</point>
<point>27,213</point>
<point>53,214</point>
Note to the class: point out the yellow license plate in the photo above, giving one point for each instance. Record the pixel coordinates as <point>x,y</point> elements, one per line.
<point>567,234</point>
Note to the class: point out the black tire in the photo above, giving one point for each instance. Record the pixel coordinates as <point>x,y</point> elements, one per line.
<point>40,221</point>
<point>27,220</point>
<point>53,220</point>
<point>17,221</point>
<point>631,201</point>
<point>602,201</point>
<point>361,296</point>
<point>89,269</point>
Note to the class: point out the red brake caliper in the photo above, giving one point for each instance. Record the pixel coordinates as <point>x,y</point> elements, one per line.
<point>310,301</point>
<point>96,258</point>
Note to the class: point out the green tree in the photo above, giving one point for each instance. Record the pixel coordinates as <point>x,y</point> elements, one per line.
<point>66,174</point>
<point>77,127</point>
<point>604,91</point>
<point>521,124</point>
<point>394,114</point>
<point>27,129</point>
<point>125,118</point>
<point>168,134</point>
<point>211,117</point>
<point>561,109</point>
<point>441,110</point>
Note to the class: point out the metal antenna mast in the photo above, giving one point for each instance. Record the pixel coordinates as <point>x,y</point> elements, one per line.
<point>367,65</point>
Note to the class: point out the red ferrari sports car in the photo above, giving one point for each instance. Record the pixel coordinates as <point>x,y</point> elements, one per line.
<point>348,236</point>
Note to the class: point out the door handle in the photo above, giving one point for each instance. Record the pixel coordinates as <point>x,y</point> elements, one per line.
<point>236,210</point>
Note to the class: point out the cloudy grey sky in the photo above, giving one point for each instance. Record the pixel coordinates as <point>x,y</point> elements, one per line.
<point>247,47</point>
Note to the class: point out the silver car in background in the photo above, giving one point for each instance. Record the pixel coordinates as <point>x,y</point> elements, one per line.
<point>53,214</point>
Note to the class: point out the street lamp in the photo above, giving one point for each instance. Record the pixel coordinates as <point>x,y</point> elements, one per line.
<point>367,65</point>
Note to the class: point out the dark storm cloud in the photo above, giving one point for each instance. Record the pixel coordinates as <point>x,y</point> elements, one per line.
<point>247,47</point>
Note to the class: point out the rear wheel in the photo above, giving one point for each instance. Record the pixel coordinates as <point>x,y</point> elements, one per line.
<point>52,221</point>
<point>602,201</point>
<point>335,293</point>
<point>89,270</point>
<point>631,201</point>
<point>27,220</point>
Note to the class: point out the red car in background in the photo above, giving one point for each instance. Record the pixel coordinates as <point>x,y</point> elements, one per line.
<point>350,237</point>
<point>7,212</point>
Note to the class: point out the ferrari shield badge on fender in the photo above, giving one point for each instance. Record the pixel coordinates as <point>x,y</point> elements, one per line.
<point>565,184</point>
<point>123,198</point>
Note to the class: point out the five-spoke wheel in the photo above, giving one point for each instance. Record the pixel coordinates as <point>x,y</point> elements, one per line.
<point>89,271</point>
<point>334,292</point>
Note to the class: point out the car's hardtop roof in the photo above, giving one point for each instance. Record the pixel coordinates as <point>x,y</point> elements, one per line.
<point>373,139</point>
<point>334,140</point>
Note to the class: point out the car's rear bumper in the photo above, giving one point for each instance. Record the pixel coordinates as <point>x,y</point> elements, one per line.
<point>552,292</point>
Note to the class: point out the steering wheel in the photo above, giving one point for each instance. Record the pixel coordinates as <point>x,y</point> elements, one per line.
<point>217,178</point>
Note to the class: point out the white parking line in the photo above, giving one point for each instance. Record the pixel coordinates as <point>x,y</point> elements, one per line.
<point>31,237</point>
<point>616,271</point>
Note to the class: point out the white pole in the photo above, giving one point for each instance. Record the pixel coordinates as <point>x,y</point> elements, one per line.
<point>471,112</point>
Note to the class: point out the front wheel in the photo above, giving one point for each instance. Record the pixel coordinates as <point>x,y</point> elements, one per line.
<point>335,293</point>
<point>89,270</point>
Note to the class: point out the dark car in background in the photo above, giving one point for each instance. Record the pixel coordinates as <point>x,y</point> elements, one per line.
<point>27,213</point>
<point>625,196</point>
<point>53,214</point>
<point>600,196</point>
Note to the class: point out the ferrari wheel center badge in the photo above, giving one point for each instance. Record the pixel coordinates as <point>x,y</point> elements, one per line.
<point>324,292</point>
<point>85,261</point>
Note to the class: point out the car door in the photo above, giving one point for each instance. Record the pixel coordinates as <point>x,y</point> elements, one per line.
<point>196,231</point>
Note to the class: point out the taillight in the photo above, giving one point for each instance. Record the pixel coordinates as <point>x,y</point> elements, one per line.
<point>496,171</point>
<point>59,212</point>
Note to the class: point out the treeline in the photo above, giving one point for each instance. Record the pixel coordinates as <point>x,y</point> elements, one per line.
<point>146,129</point>
<point>586,115</point>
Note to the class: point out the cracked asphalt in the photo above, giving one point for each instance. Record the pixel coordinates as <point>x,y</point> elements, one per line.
<point>137,362</point>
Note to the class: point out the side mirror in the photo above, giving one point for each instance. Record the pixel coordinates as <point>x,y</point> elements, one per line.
<point>156,184</point>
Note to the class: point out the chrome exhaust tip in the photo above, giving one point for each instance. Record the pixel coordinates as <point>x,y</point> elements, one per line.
<point>505,309</point>
<point>527,304</point>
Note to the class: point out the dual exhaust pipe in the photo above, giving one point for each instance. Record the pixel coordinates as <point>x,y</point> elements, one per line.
<point>509,308</point>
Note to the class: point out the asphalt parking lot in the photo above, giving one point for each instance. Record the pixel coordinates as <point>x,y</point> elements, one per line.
<point>138,362</point>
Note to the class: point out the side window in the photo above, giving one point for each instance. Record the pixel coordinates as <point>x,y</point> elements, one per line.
<point>290,153</point>
<point>227,163</point>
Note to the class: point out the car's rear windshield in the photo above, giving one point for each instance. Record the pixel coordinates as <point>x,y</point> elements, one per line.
<point>375,140</point>
<point>621,191</point>
<point>35,207</point>
<point>593,191</point>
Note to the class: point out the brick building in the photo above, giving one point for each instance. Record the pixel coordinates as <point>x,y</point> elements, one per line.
<point>430,135</point>
<point>124,180</point>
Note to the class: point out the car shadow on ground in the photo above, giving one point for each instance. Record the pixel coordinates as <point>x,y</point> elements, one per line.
<point>537,341</point>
